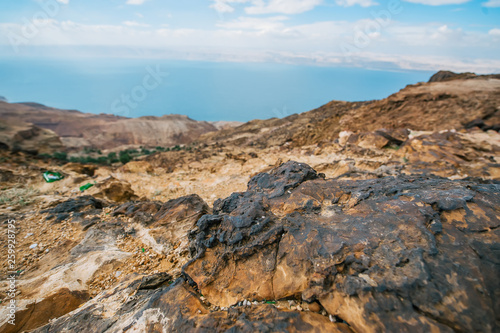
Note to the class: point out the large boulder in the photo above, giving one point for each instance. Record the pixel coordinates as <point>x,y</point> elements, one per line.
<point>113,189</point>
<point>394,254</point>
<point>415,254</point>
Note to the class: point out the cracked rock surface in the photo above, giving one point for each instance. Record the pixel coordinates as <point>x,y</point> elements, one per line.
<point>392,254</point>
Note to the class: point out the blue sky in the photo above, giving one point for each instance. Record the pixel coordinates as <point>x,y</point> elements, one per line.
<point>459,35</point>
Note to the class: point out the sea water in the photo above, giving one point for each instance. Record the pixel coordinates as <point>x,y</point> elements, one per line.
<point>208,91</point>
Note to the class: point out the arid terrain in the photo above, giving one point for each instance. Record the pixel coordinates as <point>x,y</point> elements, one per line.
<point>376,216</point>
<point>103,131</point>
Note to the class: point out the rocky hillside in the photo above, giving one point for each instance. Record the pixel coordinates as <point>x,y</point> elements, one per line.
<point>21,136</point>
<point>448,101</point>
<point>78,129</point>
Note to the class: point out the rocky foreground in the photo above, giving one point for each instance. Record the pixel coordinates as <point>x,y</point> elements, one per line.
<point>313,223</point>
<point>294,252</point>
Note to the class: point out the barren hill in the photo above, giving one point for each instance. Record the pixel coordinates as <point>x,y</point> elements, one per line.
<point>450,101</point>
<point>78,129</point>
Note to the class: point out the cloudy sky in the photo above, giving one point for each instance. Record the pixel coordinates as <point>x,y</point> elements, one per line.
<point>462,35</point>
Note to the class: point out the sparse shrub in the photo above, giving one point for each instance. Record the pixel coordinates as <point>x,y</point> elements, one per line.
<point>61,155</point>
<point>102,160</point>
<point>125,157</point>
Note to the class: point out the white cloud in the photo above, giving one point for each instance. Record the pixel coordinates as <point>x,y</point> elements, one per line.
<point>268,6</point>
<point>224,6</point>
<point>494,32</point>
<point>253,23</point>
<point>135,2</point>
<point>276,39</point>
<point>135,24</point>
<point>438,2</point>
<point>492,3</point>
<point>282,6</point>
<point>65,2</point>
<point>362,3</point>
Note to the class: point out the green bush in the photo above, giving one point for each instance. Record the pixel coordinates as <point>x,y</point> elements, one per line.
<point>61,155</point>
<point>102,160</point>
<point>125,157</point>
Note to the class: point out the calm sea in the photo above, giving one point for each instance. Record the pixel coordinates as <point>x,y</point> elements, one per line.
<point>201,90</point>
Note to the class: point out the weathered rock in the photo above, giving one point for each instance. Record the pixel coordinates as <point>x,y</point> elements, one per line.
<point>368,140</point>
<point>138,167</point>
<point>78,209</point>
<point>392,254</point>
<point>113,189</point>
<point>16,135</point>
<point>177,308</point>
<point>81,169</point>
<point>449,153</point>
<point>39,313</point>
<point>166,226</point>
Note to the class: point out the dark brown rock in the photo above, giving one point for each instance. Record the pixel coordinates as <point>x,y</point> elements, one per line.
<point>393,254</point>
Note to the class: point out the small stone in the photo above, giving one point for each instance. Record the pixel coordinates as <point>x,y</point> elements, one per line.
<point>314,307</point>
<point>332,319</point>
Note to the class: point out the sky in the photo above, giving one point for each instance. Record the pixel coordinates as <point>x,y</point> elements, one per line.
<point>460,35</point>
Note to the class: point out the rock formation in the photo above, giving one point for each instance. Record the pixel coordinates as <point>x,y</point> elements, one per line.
<point>407,253</point>
<point>78,129</point>
<point>21,136</point>
<point>447,102</point>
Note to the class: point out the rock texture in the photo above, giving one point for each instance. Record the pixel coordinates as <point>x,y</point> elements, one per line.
<point>392,254</point>
<point>408,254</point>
